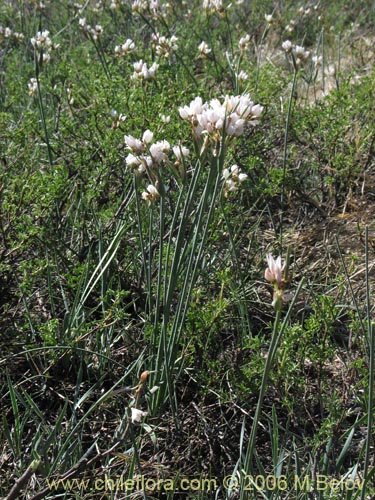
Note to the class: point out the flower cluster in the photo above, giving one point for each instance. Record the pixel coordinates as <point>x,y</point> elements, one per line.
<point>290,27</point>
<point>116,4</point>
<point>213,5</point>
<point>140,6</point>
<point>7,33</point>
<point>244,43</point>
<point>215,117</point>
<point>146,156</point>
<point>142,72</point>
<point>151,195</point>
<point>317,61</point>
<point>143,154</point>
<point>299,54</point>
<point>32,86</point>
<point>43,43</point>
<point>154,7</point>
<point>164,47</point>
<point>126,48</point>
<point>242,76</point>
<point>233,178</point>
<point>165,119</point>
<point>41,40</point>
<point>92,32</point>
<point>277,274</point>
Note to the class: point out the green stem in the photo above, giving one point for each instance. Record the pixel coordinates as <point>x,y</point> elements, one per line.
<point>260,57</point>
<point>285,155</point>
<point>276,337</point>
<point>41,110</point>
<point>371,342</point>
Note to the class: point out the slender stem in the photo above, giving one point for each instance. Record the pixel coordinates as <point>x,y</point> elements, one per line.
<point>323,64</point>
<point>276,337</point>
<point>285,155</point>
<point>259,57</point>
<point>371,341</point>
<point>41,110</point>
<point>161,269</point>
<point>263,387</point>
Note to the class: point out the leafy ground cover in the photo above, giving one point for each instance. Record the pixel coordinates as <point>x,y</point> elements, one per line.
<point>187,249</point>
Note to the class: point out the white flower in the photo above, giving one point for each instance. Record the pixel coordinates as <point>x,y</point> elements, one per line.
<point>165,119</point>
<point>134,144</point>
<point>158,150</point>
<point>244,42</point>
<point>204,49</point>
<point>137,415</point>
<point>98,30</point>
<point>214,117</point>
<point>33,86</point>
<point>41,40</point>
<point>213,5</point>
<point>287,46</point>
<point>142,72</point>
<point>151,72</point>
<point>317,60</point>
<point>133,161</point>
<point>125,49</point>
<point>233,178</point>
<point>147,136</point>
<point>164,47</point>
<point>139,5</point>
<point>277,275</point>
<point>194,109</point>
<point>242,76</point>
<point>268,18</point>
<point>301,52</point>
<point>180,152</point>
<point>151,196</point>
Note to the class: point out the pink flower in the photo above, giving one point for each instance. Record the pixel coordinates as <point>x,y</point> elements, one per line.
<point>274,271</point>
